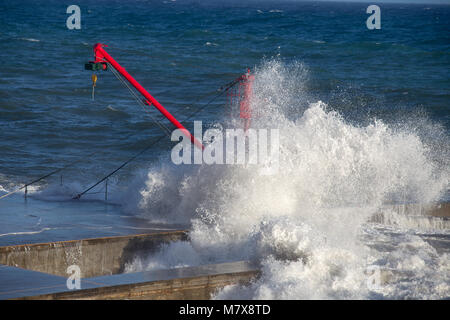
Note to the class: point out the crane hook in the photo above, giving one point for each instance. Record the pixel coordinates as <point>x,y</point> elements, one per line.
<point>94,81</point>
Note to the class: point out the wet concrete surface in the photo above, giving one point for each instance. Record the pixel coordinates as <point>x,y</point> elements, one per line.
<point>180,283</point>
<point>36,220</point>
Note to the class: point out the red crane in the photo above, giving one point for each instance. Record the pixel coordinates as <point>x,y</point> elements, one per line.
<point>102,58</point>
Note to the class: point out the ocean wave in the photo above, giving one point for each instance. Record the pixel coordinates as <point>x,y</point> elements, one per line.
<point>25,232</point>
<point>30,39</point>
<point>302,225</point>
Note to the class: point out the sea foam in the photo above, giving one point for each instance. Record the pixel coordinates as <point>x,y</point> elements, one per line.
<point>303,225</point>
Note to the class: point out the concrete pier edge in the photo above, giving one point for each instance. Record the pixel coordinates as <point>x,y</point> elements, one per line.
<point>95,256</point>
<point>103,260</point>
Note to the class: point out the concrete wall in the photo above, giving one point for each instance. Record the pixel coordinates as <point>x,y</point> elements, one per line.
<point>95,257</point>
<point>432,215</point>
<point>103,259</point>
<point>198,287</point>
<point>417,209</point>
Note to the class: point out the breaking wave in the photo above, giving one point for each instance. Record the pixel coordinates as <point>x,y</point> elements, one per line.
<point>305,225</point>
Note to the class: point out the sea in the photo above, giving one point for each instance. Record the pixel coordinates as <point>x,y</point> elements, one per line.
<point>363,117</point>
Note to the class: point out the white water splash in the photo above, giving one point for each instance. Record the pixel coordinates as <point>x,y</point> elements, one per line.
<point>303,225</point>
<point>30,39</point>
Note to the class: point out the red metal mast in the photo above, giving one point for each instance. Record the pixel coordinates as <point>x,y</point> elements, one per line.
<point>245,104</point>
<point>101,56</point>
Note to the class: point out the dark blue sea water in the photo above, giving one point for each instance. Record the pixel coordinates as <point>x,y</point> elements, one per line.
<point>183,50</point>
<point>379,135</point>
